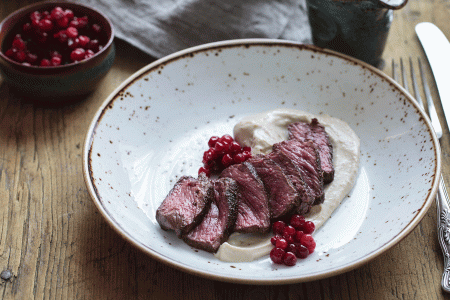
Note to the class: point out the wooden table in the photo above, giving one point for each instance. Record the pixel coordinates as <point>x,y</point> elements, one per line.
<point>56,245</point>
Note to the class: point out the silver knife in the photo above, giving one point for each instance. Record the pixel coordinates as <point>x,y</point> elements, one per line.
<point>437,49</point>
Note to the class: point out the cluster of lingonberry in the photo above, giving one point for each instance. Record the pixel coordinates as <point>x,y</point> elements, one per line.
<point>223,152</point>
<point>292,240</point>
<point>55,37</point>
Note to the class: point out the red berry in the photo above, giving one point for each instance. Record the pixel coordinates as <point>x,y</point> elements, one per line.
<point>19,44</point>
<point>227,160</point>
<point>83,40</point>
<point>94,45</point>
<point>308,227</point>
<point>35,15</point>
<point>45,25</point>
<point>77,54</point>
<point>204,170</point>
<point>246,155</point>
<point>297,221</point>
<point>89,53</point>
<point>11,53</point>
<point>55,61</point>
<point>212,141</point>
<point>72,32</point>
<point>249,149</point>
<point>276,255</point>
<point>308,241</point>
<point>68,14</point>
<point>298,236</point>
<point>63,22</point>
<point>219,147</point>
<point>227,138</point>
<point>273,240</point>
<point>21,56</point>
<point>281,243</point>
<point>73,43</point>
<point>82,22</point>
<point>44,63</point>
<point>278,227</point>
<point>289,259</point>
<point>301,251</point>
<point>235,147</point>
<point>57,13</point>
<point>289,231</point>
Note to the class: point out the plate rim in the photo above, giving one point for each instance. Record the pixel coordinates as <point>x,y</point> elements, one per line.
<point>257,281</point>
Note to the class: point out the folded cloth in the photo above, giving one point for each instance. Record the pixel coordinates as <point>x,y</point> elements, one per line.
<point>161,27</point>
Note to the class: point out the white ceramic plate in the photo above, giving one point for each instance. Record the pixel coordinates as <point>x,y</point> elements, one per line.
<point>155,126</point>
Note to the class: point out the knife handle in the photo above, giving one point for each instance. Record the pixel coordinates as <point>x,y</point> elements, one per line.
<point>442,204</point>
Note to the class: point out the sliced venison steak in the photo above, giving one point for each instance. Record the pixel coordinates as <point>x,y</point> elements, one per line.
<point>283,196</point>
<point>292,171</point>
<point>315,132</point>
<point>186,204</point>
<point>306,157</point>
<point>218,222</point>
<point>252,203</point>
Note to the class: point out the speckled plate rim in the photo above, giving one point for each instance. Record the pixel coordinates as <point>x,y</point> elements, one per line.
<point>239,43</point>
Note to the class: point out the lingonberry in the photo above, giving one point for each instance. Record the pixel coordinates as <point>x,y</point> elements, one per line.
<point>45,63</point>
<point>289,231</point>
<point>77,54</point>
<point>289,259</point>
<point>301,251</point>
<point>212,141</point>
<point>297,221</point>
<point>308,241</point>
<point>278,227</point>
<point>72,32</point>
<point>276,255</point>
<point>55,61</point>
<point>308,227</point>
<point>227,160</point>
<point>281,243</point>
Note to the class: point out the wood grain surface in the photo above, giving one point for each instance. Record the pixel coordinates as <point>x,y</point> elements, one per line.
<point>54,244</point>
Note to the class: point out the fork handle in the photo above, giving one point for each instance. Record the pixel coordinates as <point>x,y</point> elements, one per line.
<point>444,232</point>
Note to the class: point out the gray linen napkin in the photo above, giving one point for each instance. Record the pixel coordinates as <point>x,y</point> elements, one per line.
<point>161,27</point>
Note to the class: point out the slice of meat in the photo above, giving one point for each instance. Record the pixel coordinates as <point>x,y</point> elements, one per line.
<point>218,222</point>
<point>252,203</point>
<point>186,204</point>
<point>293,172</point>
<point>283,196</point>
<point>315,132</point>
<point>306,157</point>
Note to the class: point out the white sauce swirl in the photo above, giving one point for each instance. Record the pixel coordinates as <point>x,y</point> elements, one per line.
<point>260,132</point>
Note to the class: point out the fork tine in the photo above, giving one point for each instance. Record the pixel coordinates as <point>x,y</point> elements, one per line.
<point>394,71</point>
<point>414,83</point>
<point>403,71</point>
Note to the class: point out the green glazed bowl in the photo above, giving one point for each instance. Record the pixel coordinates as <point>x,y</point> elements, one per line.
<point>60,83</point>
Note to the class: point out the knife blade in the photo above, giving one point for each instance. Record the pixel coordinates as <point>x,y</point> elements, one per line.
<point>437,50</point>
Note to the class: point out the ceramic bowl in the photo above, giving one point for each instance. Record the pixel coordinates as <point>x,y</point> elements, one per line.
<point>59,83</point>
<point>155,126</point>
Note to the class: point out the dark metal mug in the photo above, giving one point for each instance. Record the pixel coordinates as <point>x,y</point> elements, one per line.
<point>358,28</point>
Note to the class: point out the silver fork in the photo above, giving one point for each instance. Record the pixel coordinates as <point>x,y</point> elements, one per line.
<point>442,198</point>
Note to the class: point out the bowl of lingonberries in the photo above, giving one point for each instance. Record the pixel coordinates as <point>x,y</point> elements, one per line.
<point>55,51</point>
